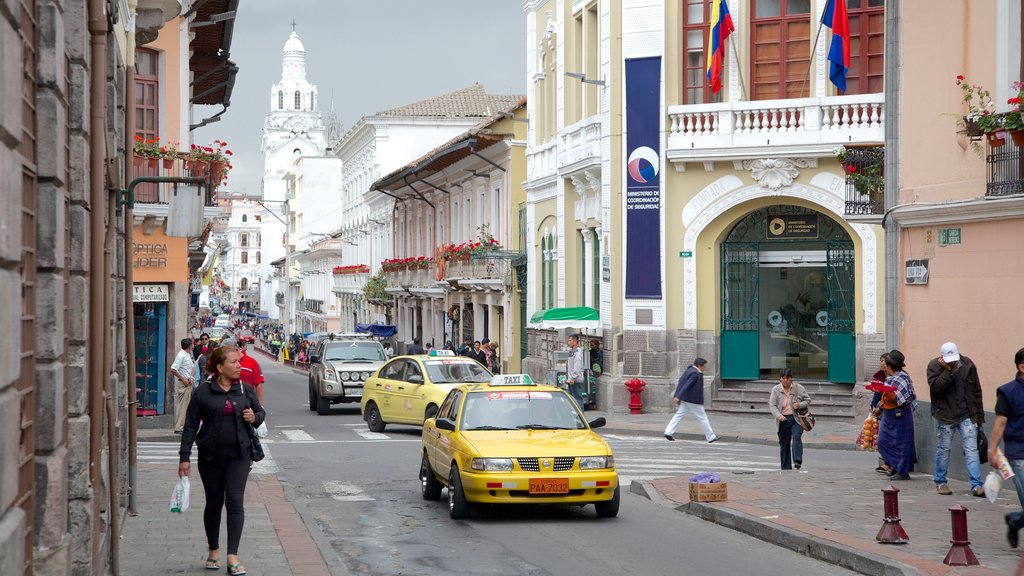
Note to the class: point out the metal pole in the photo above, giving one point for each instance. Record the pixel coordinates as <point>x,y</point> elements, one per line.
<point>892,163</point>
<point>129,305</point>
<point>287,276</point>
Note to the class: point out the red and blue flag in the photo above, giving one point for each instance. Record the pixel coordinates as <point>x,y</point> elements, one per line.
<point>836,18</point>
<point>721,27</point>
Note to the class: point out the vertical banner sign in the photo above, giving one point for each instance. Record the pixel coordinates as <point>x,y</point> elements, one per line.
<point>643,186</point>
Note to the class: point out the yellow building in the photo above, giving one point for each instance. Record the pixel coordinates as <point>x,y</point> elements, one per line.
<point>719,225</point>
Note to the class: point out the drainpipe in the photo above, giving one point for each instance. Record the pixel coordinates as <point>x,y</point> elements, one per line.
<point>109,274</point>
<point>129,280</point>
<point>97,282</point>
<point>892,171</point>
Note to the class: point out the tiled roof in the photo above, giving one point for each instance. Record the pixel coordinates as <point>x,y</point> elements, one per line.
<point>472,102</point>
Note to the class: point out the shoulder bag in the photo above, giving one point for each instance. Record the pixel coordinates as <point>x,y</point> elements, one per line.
<point>255,446</point>
<point>804,417</point>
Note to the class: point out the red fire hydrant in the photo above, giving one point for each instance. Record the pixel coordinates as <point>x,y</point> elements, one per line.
<point>635,387</point>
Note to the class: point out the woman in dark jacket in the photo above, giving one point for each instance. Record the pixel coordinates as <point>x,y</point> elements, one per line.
<point>220,409</point>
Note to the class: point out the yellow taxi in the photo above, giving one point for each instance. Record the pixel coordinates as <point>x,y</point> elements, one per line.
<point>511,441</point>
<point>409,389</point>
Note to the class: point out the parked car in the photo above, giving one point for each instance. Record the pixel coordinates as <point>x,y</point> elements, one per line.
<point>246,336</point>
<point>408,389</point>
<point>338,368</point>
<point>217,333</point>
<point>513,442</point>
<point>222,321</point>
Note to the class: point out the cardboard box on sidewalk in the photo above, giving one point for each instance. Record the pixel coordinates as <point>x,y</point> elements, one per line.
<point>709,492</point>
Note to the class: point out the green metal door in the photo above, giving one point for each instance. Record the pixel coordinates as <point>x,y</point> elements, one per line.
<point>740,316</point>
<point>842,349</point>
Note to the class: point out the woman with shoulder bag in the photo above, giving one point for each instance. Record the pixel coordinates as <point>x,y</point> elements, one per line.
<point>786,398</point>
<point>896,428</point>
<point>221,409</point>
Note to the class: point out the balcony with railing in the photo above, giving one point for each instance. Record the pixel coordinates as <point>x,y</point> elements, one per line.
<point>580,145</point>
<point>488,270</point>
<point>865,181</point>
<point>351,282</point>
<point>803,127</point>
<point>541,160</point>
<point>279,298</point>
<point>1005,170</point>
<point>313,305</point>
<point>154,193</point>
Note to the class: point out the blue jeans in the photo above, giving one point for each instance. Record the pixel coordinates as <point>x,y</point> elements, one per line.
<point>969,437</point>
<point>1017,518</point>
<point>577,391</point>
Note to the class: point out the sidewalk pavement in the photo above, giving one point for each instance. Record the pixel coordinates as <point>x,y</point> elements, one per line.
<point>833,514</point>
<point>275,542</point>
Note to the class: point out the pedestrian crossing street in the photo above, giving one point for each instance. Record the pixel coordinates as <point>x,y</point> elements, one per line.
<point>636,457</point>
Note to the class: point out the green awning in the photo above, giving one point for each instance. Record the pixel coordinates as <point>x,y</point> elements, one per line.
<point>559,318</point>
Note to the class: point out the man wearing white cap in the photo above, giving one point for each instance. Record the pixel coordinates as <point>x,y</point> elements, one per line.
<point>956,406</point>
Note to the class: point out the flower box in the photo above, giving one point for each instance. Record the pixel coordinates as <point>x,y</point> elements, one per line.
<point>709,491</point>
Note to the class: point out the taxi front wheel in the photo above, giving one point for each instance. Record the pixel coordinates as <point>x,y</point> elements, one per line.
<point>373,420</point>
<point>458,507</point>
<point>428,482</point>
<point>608,508</point>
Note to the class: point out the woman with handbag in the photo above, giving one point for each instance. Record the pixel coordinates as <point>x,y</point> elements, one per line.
<point>786,398</point>
<point>219,417</point>
<point>896,428</point>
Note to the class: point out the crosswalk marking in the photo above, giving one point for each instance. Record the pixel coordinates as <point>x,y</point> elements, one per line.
<point>372,435</point>
<point>648,458</point>
<point>297,435</point>
<point>167,453</point>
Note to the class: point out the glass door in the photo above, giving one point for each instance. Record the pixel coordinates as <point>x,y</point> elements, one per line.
<point>794,306</point>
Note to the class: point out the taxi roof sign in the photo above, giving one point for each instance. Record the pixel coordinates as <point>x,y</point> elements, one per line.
<point>512,380</point>
<point>441,352</point>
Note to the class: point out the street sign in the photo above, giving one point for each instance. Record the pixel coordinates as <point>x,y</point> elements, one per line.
<point>686,254</point>
<point>949,236</point>
<point>916,272</point>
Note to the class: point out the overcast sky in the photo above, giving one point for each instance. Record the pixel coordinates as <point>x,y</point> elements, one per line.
<point>371,54</point>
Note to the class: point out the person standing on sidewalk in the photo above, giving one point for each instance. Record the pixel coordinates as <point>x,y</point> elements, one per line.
<point>896,429</point>
<point>575,364</point>
<point>1009,429</point>
<point>689,395</point>
<point>181,369</point>
<point>217,416</point>
<point>782,403</point>
<point>956,406</point>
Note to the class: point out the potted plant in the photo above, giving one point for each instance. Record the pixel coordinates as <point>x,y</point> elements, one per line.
<point>169,153</point>
<point>212,161</point>
<point>979,103</point>
<point>146,151</point>
<point>992,126</point>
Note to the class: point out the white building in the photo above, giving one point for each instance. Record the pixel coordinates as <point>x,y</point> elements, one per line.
<point>240,259</point>
<point>377,145</point>
<point>293,129</point>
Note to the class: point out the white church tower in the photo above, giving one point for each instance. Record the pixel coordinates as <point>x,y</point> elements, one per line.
<point>292,129</point>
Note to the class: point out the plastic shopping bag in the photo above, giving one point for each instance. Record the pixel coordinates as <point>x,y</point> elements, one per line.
<point>262,430</point>
<point>993,482</point>
<point>181,495</point>
<point>868,438</point>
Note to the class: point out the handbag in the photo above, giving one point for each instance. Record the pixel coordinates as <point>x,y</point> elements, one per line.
<point>255,447</point>
<point>804,418</point>
<point>982,445</point>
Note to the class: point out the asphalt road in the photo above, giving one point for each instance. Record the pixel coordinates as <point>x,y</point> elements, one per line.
<point>358,494</point>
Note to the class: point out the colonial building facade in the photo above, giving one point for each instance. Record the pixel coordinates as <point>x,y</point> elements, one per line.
<point>706,224</point>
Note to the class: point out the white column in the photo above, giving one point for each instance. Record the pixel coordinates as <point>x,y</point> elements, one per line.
<point>588,267</point>
<point>478,318</point>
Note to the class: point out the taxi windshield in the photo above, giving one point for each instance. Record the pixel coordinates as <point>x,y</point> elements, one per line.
<point>366,351</point>
<point>456,371</point>
<point>520,410</point>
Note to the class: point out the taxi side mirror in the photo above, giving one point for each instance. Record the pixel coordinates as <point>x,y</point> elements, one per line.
<point>597,422</point>
<point>314,359</point>
<point>416,379</point>
<point>443,424</point>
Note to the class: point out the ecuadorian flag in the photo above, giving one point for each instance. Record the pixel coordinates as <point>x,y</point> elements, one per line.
<point>721,27</point>
<point>836,18</point>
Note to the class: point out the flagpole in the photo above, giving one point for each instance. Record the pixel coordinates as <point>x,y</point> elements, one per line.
<point>814,54</point>
<point>739,67</point>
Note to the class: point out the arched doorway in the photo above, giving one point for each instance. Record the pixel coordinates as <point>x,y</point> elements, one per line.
<point>788,297</point>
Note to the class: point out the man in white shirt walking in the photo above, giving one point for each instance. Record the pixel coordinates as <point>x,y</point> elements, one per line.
<point>181,369</point>
<point>575,365</point>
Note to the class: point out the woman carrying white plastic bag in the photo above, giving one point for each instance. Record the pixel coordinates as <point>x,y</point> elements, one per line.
<point>181,495</point>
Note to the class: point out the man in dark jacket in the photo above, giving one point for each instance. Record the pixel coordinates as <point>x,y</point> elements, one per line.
<point>956,406</point>
<point>1009,429</point>
<point>689,396</point>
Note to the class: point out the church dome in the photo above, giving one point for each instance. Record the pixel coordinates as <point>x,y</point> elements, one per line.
<point>293,44</point>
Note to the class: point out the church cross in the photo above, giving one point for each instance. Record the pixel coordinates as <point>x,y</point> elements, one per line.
<point>293,24</point>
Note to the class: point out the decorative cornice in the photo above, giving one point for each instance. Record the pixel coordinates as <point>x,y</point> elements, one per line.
<point>981,209</point>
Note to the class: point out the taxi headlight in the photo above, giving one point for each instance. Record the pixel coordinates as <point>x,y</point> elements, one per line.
<point>492,464</point>
<point>595,462</point>
<point>345,376</point>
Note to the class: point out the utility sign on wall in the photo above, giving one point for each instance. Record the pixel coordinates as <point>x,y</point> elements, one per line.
<point>916,272</point>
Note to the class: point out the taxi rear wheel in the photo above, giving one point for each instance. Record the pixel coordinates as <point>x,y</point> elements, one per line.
<point>458,507</point>
<point>608,508</point>
<point>428,482</point>
<point>373,420</point>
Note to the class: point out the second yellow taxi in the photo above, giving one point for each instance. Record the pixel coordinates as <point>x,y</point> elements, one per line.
<point>511,441</point>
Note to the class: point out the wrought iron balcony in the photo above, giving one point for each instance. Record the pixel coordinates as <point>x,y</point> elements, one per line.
<point>313,305</point>
<point>865,180</point>
<point>491,270</point>
<point>1005,170</point>
<point>279,299</point>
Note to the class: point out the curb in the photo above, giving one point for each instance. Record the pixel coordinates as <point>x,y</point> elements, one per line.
<point>850,446</point>
<point>825,551</point>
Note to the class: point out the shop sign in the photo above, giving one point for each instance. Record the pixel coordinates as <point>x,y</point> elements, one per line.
<point>916,272</point>
<point>150,293</point>
<point>606,268</point>
<point>949,236</point>
<point>792,227</point>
